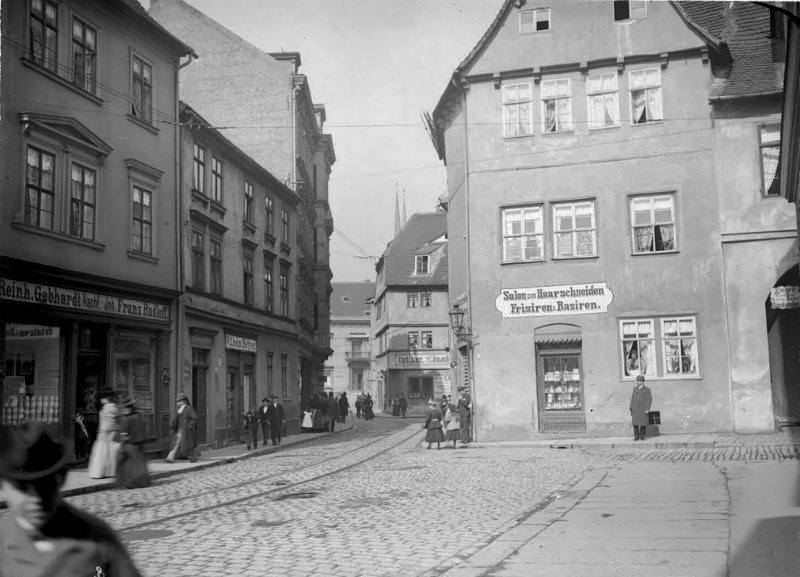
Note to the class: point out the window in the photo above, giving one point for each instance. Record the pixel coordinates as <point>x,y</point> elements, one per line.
<point>44,34</point>
<point>653,221</point>
<point>427,340</point>
<point>672,352</point>
<point>629,10</point>
<point>425,299</point>
<point>199,169</point>
<point>84,55</point>
<point>142,231</point>
<point>248,202</point>
<point>269,223</point>
<point>39,188</point>
<point>421,264</point>
<point>574,230</point>
<point>284,374</point>
<point>517,110</point>
<point>82,203</point>
<point>413,339</point>
<point>537,20</point>
<point>142,86</point>
<point>523,234</point>
<point>198,260</point>
<point>769,139</point>
<point>284,280</point>
<point>379,308</point>
<point>270,372</point>
<point>216,179</point>
<point>412,300</point>
<point>645,87</point>
<point>602,101</point>
<point>269,286</point>
<point>680,346</point>
<point>216,266</point>
<point>284,226</point>
<point>248,279</point>
<point>557,105</point>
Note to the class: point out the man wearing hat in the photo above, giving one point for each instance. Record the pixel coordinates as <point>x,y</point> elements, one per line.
<point>641,399</point>
<point>464,410</point>
<point>43,535</point>
<point>261,415</point>
<point>184,425</point>
<point>276,419</point>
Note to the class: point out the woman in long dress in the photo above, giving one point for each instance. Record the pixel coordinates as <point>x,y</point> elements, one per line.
<point>103,458</point>
<point>433,424</point>
<point>132,464</point>
<point>452,424</point>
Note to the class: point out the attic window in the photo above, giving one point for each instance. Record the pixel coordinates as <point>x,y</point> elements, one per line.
<point>629,10</point>
<point>537,20</point>
<point>421,264</point>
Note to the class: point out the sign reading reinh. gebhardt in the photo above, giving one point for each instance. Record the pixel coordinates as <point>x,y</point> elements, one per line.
<point>554,300</point>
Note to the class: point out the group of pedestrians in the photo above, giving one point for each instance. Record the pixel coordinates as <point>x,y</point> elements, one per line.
<point>364,407</point>
<point>399,405</point>
<point>270,417</point>
<point>324,411</point>
<point>445,421</point>
<point>118,450</point>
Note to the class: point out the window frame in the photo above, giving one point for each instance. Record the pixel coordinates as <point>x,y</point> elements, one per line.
<point>249,200</point>
<point>146,115</point>
<point>412,299</point>
<point>652,197</point>
<point>570,125</point>
<point>285,374</point>
<point>592,94</point>
<point>43,62</point>
<point>659,343</point>
<point>643,71</point>
<point>284,289</point>
<point>270,372</point>
<point>575,230</point>
<point>198,246</point>
<point>418,259</point>
<point>413,340</point>
<point>151,193</point>
<point>426,339</point>
<point>534,12</point>
<point>508,104</point>
<point>52,193</point>
<point>198,169</point>
<point>215,266</point>
<point>506,210</point>
<point>217,179</point>
<point>92,85</point>
<point>425,299</point>
<point>285,224</point>
<point>247,279</point>
<point>634,6</point>
<point>82,202</point>
<point>269,215</point>
<point>762,145</point>
<point>269,285</point>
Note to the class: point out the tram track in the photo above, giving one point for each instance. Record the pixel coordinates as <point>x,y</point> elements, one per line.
<point>271,486</point>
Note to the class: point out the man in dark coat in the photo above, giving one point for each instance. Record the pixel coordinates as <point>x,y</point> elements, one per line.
<point>403,404</point>
<point>464,410</point>
<point>641,399</point>
<point>331,410</point>
<point>276,419</point>
<point>43,535</point>
<point>261,414</point>
<point>344,407</point>
<point>184,425</point>
<point>250,423</point>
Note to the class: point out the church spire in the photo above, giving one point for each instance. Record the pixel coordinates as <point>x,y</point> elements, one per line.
<point>397,225</point>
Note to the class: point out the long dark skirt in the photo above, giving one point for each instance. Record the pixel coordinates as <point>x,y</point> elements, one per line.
<point>132,467</point>
<point>434,436</point>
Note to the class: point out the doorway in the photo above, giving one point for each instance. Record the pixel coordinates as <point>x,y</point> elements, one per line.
<point>199,391</point>
<point>234,405</point>
<point>783,338</point>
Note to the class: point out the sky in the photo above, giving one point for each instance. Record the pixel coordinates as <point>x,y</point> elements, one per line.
<point>376,65</point>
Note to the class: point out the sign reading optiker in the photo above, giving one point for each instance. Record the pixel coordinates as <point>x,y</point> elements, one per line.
<point>554,300</point>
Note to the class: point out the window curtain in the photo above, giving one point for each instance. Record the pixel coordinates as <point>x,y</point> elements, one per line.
<point>604,101</point>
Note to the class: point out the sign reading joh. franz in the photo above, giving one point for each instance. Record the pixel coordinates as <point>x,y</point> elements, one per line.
<point>87,301</point>
<point>554,300</point>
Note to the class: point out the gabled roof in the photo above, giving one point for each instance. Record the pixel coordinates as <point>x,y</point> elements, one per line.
<point>349,299</point>
<point>420,236</point>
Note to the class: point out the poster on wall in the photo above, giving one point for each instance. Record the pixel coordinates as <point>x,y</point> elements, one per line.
<point>554,300</point>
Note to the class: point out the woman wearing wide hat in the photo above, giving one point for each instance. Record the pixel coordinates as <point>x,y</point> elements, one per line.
<point>103,458</point>
<point>132,464</point>
<point>184,425</point>
<point>42,535</point>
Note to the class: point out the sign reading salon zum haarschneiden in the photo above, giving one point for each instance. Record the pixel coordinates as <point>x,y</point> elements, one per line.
<point>554,300</point>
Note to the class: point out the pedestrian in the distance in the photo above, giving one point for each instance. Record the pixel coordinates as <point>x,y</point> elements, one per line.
<point>369,414</point>
<point>641,399</point>
<point>43,535</point>
<point>452,425</point>
<point>359,403</point>
<point>433,424</point>
<point>132,464</point>
<point>103,458</point>
<point>262,418</point>
<point>250,424</point>
<point>464,409</point>
<point>276,418</point>
<point>184,426</point>
<point>443,404</point>
<point>331,411</point>
<point>403,404</point>
<point>344,407</point>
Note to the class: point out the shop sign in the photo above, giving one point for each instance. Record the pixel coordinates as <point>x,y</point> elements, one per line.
<point>554,300</point>
<point>25,332</point>
<point>86,301</point>
<point>419,361</point>
<point>785,297</point>
<point>240,344</point>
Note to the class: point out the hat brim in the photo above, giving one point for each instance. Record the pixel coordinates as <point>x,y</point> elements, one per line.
<point>15,474</point>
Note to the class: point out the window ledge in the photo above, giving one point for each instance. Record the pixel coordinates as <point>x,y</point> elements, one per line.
<point>518,136</point>
<point>648,123</point>
<point>62,81</point>
<point>201,198</point>
<point>562,258</point>
<point>598,128</point>
<point>94,245</point>
<point>570,132</point>
<point>655,252</point>
<point>668,379</point>
<point>142,123</point>
<point>217,209</point>
<point>142,256</point>
<point>514,262</point>
<point>249,227</point>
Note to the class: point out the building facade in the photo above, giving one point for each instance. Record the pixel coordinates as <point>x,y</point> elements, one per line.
<point>90,214</point>
<point>282,129</point>
<point>411,335</point>
<point>612,211</point>
<point>349,367</point>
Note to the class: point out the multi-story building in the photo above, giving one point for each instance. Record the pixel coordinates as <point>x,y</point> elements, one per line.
<point>612,211</point>
<point>239,332</point>
<point>89,212</point>
<point>234,84</point>
<point>349,367</point>
<point>411,335</point>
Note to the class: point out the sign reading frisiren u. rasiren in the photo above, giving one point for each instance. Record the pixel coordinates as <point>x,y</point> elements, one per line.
<point>554,300</point>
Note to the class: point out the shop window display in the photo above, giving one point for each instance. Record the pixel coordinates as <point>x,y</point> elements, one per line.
<point>133,365</point>
<point>33,374</point>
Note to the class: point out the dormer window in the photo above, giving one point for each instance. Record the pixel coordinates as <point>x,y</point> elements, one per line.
<point>421,264</point>
<point>629,10</point>
<point>537,20</point>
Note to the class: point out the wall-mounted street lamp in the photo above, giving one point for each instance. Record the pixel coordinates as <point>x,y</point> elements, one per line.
<point>457,324</point>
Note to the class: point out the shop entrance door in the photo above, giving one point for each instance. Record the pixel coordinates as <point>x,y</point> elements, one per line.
<point>199,372</point>
<point>234,404</point>
<point>561,395</point>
